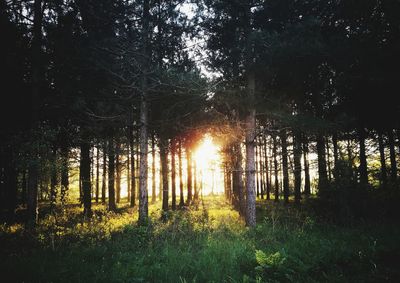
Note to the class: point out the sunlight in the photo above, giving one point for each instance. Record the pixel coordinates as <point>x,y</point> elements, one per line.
<point>208,161</point>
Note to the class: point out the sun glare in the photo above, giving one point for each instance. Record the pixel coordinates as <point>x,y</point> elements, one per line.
<point>208,164</point>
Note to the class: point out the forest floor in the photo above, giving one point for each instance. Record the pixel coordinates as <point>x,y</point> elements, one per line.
<point>208,243</point>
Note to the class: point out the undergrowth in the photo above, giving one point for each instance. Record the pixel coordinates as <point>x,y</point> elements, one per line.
<point>204,244</point>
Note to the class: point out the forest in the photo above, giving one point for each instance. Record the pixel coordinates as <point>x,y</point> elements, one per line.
<point>199,141</point>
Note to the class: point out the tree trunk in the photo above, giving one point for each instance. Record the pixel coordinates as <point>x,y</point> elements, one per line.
<point>307,181</point>
<point>118,170</point>
<point>189,175</point>
<point>33,171</point>
<point>164,169</point>
<point>85,178</point>
<point>363,158</point>
<point>132,200</point>
<point>322,174</point>
<point>181,198</point>
<point>173,173</point>
<point>285,167</point>
<point>257,170</point>
<point>153,170</point>
<point>104,175</point>
<point>267,172</point>
<point>128,175</point>
<point>383,175</point>
<point>53,181</point>
<point>97,173</point>
<point>111,172</point>
<point>328,160</point>
<point>275,154</point>
<point>250,162</point>
<point>143,191</point>
<point>297,166</point>
<point>392,152</point>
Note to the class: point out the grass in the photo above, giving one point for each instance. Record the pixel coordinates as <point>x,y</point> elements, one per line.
<point>207,244</point>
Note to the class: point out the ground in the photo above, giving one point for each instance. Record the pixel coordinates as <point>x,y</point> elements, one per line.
<point>208,243</point>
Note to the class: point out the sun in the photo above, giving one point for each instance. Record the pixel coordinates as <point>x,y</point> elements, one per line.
<point>208,163</point>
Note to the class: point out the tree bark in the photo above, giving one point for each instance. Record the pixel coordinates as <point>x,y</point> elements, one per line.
<point>275,154</point>
<point>322,174</point>
<point>181,198</point>
<point>392,152</point>
<point>97,173</point>
<point>285,167</point>
<point>111,172</point>
<point>250,161</point>
<point>363,169</point>
<point>307,180</point>
<point>143,190</point>
<point>104,175</point>
<point>189,175</point>
<point>118,170</point>
<point>173,173</point>
<point>153,170</point>
<point>383,175</point>
<point>85,178</point>
<point>164,169</point>
<point>297,166</point>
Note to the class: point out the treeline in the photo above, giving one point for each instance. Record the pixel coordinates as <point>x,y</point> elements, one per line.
<point>89,85</point>
<point>320,76</point>
<point>297,79</point>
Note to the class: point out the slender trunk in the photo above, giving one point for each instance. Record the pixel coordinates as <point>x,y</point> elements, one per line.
<point>143,191</point>
<point>164,169</point>
<point>111,172</point>
<point>257,171</point>
<point>250,162</point>
<point>297,166</point>
<point>322,174</point>
<point>383,175</point>
<point>189,175</point>
<point>132,200</point>
<point>97,173</point>
<point>335,149</point>
<point>85,178</point>
<point>275,154</point>
<point>285,168</point>
<point>53,181</point>
<point>237,179</point>
<point>307,180</point>
<point>153,169</point>
<point>328,160</point>
<point>33,171</point>
<point>128,174</point>
<point>181,198</point>
<point>118,171</point>
<point>267,173</point>
<point>392,152</point>
<point>262,168</point>
<point>363,157</point>
<point>195,185</point>
<point>173,173</point>
<point>104,175</point>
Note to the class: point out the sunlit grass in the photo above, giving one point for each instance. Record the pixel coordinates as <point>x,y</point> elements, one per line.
<point>207,242</point>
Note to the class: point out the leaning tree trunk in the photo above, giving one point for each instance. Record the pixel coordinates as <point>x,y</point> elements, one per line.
<point>285,167</point>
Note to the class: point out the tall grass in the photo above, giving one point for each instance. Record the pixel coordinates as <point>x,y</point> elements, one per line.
<point>207,244</point>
